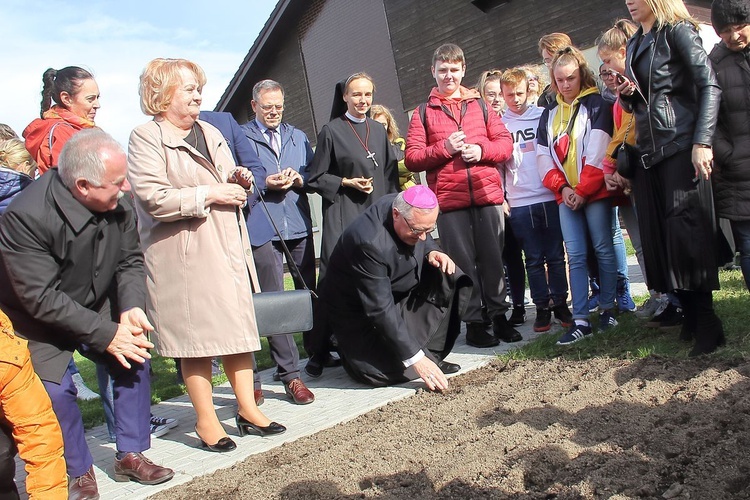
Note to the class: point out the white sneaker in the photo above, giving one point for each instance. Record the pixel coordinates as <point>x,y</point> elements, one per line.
<point>84,393</point>
<point>160,426</point>
<point>651,307</point>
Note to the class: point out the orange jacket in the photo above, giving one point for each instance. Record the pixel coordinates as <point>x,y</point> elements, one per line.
<point>45,137</point>
<point>26,409</point>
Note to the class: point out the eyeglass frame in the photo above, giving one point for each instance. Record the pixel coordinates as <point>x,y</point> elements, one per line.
<point>418,232</point>
<point>267,108</point>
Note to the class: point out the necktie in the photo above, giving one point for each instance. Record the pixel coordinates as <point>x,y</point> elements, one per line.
<point>273,140</point>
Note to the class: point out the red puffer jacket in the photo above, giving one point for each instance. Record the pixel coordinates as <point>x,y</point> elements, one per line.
<point>456,183</point>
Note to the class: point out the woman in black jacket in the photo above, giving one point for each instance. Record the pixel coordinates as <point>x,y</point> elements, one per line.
<point>674,95</point>
<point>731,20</point>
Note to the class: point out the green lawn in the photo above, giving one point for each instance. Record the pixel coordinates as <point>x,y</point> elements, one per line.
<point>630,339</point>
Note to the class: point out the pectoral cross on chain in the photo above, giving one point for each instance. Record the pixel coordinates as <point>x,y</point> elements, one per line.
<point>371,156</point>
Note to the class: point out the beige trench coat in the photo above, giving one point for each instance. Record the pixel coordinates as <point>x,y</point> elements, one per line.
<point>199,265</point>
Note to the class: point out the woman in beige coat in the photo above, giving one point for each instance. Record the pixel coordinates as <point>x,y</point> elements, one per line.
<point>200,270</point>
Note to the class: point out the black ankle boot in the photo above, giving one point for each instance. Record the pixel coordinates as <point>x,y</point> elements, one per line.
<point>480,335</point>
<point>709,333</point>
<point>689,317</point>
<point>504,330</point>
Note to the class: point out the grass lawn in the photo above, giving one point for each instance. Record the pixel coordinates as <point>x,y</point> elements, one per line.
<point>631,340</point>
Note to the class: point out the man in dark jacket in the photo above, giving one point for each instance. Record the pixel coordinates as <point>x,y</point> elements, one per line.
<point>285,153</point>
<point>392,297</point>
<point>64,242</point>
<point>731,177</point>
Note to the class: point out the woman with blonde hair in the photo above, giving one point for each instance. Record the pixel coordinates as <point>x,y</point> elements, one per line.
<point>574,133</point>
<point>535,81</point>
<point>488,86</point>
<point>383,115</point>
<point>188,195</point>
<point>674,96</point>
<point>17,170</point>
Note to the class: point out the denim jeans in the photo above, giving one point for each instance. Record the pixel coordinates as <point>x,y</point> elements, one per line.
<point>537,229</point>
<point>618,241</point>
<point>594,219</point>
<point>621,254</point>
<point>107,393</point>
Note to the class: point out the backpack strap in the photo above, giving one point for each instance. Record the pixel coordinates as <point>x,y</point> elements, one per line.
<point>50,139</point>
<point>483,105</point>
<point>423,116</point>
<point>423,113</point>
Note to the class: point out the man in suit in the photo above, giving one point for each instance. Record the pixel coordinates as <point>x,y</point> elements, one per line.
<point>285,153</point>
<point>391,297</point>
<point>65,241</point>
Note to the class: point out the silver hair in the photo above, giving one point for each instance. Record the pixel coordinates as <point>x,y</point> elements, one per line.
<point>266,85</point>
<point>81,157</point>
<point>403,207</point>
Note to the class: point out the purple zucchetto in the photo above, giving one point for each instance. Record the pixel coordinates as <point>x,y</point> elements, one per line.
<point>420,196</point>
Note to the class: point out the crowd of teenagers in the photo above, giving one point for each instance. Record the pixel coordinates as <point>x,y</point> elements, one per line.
<point>112,254</point>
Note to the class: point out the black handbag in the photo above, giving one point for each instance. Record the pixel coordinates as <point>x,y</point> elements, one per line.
<point>288,311</point>
<point>626,156</point>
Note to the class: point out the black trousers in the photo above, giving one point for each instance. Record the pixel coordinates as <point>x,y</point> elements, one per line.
<point>432,317</point>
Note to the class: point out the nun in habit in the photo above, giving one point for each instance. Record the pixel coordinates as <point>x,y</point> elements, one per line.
<point>353,165</point>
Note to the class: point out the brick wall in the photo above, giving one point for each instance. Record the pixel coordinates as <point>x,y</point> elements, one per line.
<point>504,37</point>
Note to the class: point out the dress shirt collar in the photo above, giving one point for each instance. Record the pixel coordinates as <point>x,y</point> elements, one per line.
<point>263,128</point>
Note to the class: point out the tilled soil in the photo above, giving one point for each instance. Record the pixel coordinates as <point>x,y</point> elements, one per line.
<point>602,428</point>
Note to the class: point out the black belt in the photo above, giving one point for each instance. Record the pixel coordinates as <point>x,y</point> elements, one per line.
<point>648,160</point>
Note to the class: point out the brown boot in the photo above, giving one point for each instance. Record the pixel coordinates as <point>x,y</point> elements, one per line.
<point>83,487</point>
<point>136,467</point>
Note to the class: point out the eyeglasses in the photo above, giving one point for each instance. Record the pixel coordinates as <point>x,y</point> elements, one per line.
<point>269,107</point>
<point>606,73</point>
<point>419,232</point>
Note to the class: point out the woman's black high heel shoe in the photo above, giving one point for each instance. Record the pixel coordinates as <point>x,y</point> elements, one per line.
<point>222,445</point>
<point>244,426</point>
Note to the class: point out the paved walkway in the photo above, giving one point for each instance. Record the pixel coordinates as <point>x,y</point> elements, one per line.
<point>337,399</point>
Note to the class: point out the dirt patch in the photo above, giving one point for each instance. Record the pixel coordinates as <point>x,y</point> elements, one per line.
<point>651,428</point>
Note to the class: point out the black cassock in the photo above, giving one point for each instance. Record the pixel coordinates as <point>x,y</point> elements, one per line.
<point>384,302</point>
<point>338,154</point>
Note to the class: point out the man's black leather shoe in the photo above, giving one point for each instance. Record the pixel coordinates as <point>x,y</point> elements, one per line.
<point>447,367</point>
